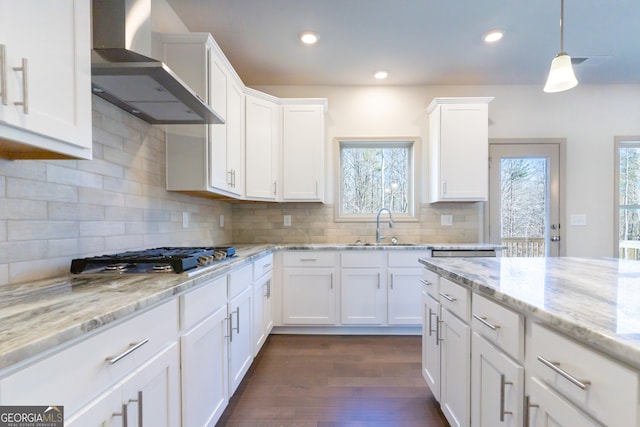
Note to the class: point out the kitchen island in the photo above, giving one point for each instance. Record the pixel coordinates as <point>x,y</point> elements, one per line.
<point>559,338</point>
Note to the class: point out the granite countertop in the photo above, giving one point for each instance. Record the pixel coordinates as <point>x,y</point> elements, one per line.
<point>594,300</point>
<point>37,316</point>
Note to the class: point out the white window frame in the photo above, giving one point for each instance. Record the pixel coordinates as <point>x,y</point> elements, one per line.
<point>414,172</point>
<point>620,141</point>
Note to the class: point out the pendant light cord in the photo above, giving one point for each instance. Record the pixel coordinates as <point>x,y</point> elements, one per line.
<point>561,26</point>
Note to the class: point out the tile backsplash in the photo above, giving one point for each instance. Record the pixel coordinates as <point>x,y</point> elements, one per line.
<point>55,210</point>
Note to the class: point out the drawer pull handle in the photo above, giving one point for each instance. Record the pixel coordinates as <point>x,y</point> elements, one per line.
<point>266,266</point>
<point>132,347</point>
<point>308,259</point>
<point>484,321</point>
<point>555,367</point>
<point>503,383</point>
<point>425,282</point>
<point>447,297</point>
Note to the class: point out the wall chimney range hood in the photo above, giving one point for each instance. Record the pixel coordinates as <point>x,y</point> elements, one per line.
<point>123,74</point>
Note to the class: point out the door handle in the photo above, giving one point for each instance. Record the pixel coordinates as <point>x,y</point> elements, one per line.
<point>555,238</point>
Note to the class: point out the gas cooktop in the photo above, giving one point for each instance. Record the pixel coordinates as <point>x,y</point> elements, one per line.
<point>158,260</point>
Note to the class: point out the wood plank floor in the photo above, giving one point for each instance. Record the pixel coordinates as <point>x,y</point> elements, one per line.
<point>335,381</point>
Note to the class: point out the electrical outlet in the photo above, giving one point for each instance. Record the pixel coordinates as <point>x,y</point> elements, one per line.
<point>446,220</point>
<point>185,219</point>
<point>287,220</point>
<point>221,221</point>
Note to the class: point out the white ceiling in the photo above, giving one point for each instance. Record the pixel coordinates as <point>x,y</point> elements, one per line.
<point>419,42</point>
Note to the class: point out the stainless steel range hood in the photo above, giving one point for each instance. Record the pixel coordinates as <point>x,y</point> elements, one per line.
<point>131,80</point>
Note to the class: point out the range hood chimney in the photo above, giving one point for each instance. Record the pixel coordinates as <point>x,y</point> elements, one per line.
<point>122,74</point>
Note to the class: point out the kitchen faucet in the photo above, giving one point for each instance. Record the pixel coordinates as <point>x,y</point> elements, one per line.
<point>378,236</point>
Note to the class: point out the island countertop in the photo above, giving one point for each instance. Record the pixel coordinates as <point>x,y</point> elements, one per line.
<point>593,300</point>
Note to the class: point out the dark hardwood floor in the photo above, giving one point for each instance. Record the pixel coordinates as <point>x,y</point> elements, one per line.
<point>331,381</point>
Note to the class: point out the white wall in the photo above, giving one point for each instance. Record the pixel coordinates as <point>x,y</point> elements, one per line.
<point>588,117</point>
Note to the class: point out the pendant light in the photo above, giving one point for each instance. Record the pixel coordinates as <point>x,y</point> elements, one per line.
<point>561,76</point>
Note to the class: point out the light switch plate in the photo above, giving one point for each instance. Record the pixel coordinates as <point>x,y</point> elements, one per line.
<point>287,220</point>
<point>446,220</point>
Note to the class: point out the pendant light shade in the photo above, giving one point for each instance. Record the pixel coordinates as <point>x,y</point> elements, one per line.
<point>561,76</point>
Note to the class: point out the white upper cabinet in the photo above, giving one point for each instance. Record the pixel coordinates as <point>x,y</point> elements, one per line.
<point>303,152</point>
<point>45,70</point>
<point>262,136</point>
<point>206,159</point>
<point>458,149</point>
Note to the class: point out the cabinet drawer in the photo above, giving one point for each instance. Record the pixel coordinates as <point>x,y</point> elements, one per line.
<point>201,302</point>
<point>76,374</point>
<point>612,393</point>
<point>309,259</point>
<point>498,324</point>
<point>365,259</point>
<point>239,280</point>
<point>431,283</point>
<point>262,266</point>
<point>455,298</point>
<point>406,258</point>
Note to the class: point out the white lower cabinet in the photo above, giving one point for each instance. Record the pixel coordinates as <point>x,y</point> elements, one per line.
<point>308,288</point>
<point>363,293</point>
<point>546,408</point>
<point>150,396</point>
<point>404,296</point>
<point>431,343</point>
<point>455,370</point>
<point>240,339</point>
<point>262,301</point>
<point>497,386</point>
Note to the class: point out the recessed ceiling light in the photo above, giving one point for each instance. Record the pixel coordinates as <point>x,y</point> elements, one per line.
<point>381,75</point>
<point>492,36</point>
<point>308,37</point>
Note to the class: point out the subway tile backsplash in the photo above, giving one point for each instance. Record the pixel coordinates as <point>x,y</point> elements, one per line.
<point>57,210</point>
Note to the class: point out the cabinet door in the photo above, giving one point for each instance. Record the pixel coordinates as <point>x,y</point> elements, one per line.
<point>262,312</point>
<point>404,296</point>
<point>261,139</point>
<point>497,386</point>
<point>235,142</point>
<point>240,338</point>
<point>546,408</point>
<point>431,343</point>
<point>153,391</point>
<point>308,296</point>
<point>303,152</point>
<point>362,296</point>
<point>53,40</point>
<point>455,380</point>
<point>204,370</point>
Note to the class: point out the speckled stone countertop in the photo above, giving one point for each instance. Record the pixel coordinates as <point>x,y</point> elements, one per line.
<point>38,316</point>
<point>594,300</point>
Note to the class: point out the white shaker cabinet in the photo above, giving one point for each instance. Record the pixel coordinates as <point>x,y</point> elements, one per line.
<point>431,311</point>
<point>239,310</point>
<point>403,287</point>
<point>303,152</point>
<point>308,288</point>
<point>205,159</point>
<point>455,348</point>
<point>458,149</point>
<point>45,68</point>
<point>363,288</point>
<point>262,301</point>
<point>262,141</point>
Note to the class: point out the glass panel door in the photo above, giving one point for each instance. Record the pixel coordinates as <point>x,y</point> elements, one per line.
<point>524,199</point>
<point>628,199</point>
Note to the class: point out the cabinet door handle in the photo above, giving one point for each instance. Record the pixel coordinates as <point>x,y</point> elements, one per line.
<point>124,414</point>
<point>444,188</point>
<point>331,280</point>
<point>438,329</point>
<point>275,187</point>
<point>3,74</point>
<point>378,280</point>
<point>139,401</point>
<point>503,384</point>
<point>528,405</point>
<point>391,281</point>
<point>25,87</point>
<point>555,367</point>
<point>132,347</point>
<point>486,323</point>
<point>237,319</point>
<point>425,282</point>
<point>316,188</point>
<point>431,313</point>
<point>447,297</point>
<point>230,328</point>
